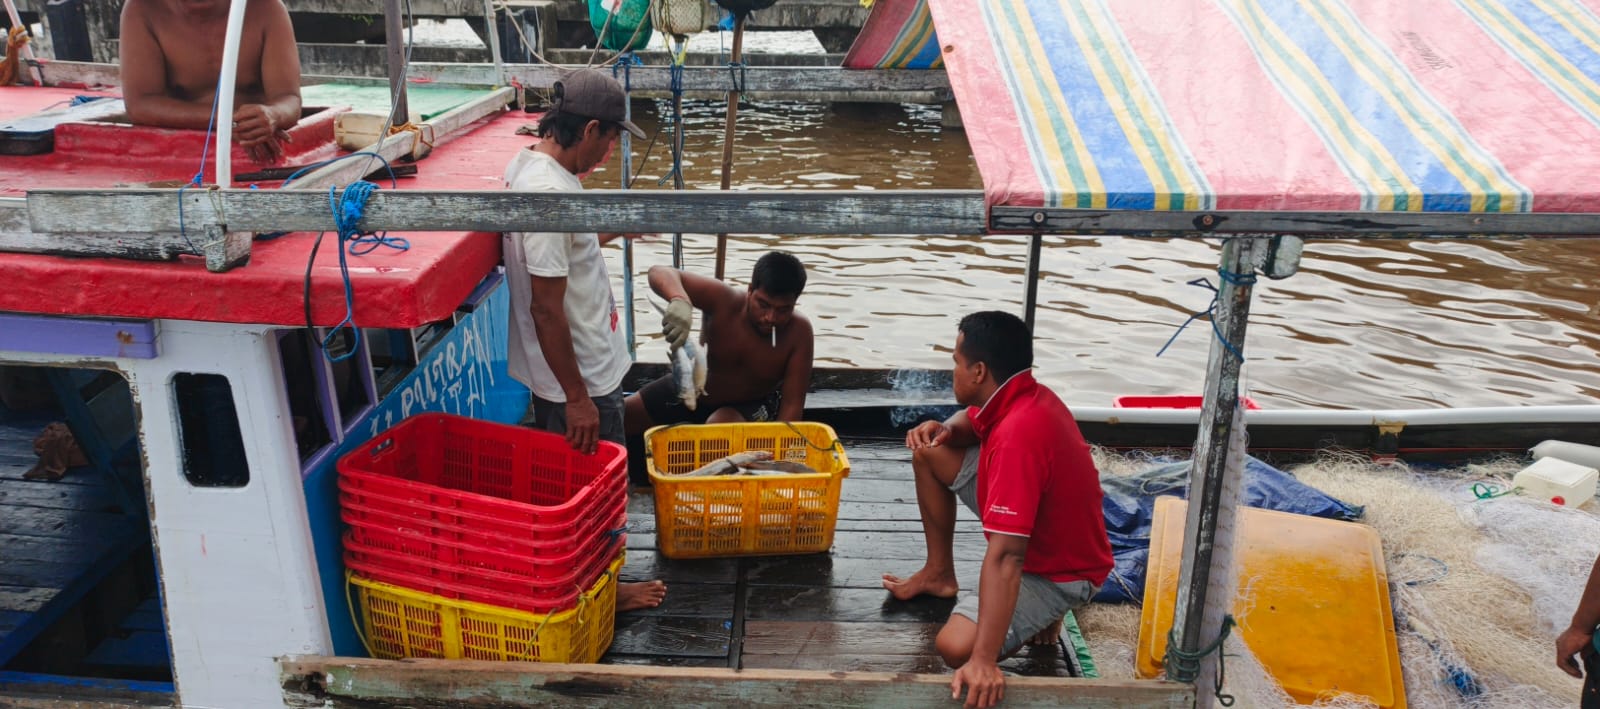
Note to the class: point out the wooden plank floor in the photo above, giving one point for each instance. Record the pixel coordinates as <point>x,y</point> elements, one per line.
<point>57,539</point>
<point>816,611</point>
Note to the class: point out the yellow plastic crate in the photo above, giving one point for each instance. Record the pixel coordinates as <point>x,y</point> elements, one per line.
<point>745,515</point>
<point>402,623</point>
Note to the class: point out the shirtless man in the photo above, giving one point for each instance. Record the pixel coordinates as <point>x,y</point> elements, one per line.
<point>172,56</point>
<point>747,363</point>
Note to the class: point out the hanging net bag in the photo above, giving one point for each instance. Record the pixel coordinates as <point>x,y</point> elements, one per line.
<point>621,24</point>
<point>681,18</point>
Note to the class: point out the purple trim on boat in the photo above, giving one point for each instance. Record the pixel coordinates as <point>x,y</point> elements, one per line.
<point>83,337</point>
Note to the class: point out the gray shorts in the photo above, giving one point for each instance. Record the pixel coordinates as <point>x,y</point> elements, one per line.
<point>552,416</point>
<point>1040,601</point>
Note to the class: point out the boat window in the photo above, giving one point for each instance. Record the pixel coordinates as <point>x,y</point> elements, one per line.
<point>311,429</point>
<point>349,377</point>
<point>208,426</point>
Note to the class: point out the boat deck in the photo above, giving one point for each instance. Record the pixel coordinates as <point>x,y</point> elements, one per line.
<point>58,540</point>
<point>813,611</point>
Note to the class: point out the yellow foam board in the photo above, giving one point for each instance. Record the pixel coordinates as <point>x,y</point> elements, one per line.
<point>1313,602</point>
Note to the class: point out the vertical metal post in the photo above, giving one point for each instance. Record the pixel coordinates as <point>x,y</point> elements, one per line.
<point>627,177</point>
<point>727,137</point>
<point>492,31</point>
<point>394,39</point>
<point>1192,630</point>
<point>1031,302</point>
<point>677,171</point>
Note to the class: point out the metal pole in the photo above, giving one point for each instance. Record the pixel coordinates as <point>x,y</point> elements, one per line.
<point>394,38</point>
<point>627,244</point>
<point>727,137</point>
<point>1192,630</point>
<point>677,172</point>
<point>1031,303</point>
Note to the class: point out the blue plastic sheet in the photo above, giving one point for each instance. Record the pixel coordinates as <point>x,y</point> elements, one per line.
<point>1130,505</point>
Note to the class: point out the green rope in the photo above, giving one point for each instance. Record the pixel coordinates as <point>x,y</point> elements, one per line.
<point>1189,662</point>
<point>1489,491</point>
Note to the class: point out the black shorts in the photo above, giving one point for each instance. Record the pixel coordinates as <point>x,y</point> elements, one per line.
<point>661,401</point>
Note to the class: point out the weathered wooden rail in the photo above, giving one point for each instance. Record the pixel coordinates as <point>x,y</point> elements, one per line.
<point>339,682</point>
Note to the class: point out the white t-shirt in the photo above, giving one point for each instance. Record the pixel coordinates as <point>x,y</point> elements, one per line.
<point>597,337</point>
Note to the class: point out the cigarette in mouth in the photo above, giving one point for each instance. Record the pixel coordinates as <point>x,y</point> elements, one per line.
<point>774,336</point>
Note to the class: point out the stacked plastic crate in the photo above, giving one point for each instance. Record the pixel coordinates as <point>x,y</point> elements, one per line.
<point>476,540</point>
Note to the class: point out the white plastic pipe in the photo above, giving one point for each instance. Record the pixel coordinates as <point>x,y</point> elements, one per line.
<point>1580,413</point>
<point>225,89</point>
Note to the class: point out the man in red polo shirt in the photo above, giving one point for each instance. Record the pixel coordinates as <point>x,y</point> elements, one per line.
<point>1014,457</point>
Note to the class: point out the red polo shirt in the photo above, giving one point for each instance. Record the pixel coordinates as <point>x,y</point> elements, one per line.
<point>1036,479</point>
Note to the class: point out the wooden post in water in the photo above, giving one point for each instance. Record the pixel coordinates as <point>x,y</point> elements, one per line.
<point>727,133</point>
<point>1193,627</point>
<point>394,39</point>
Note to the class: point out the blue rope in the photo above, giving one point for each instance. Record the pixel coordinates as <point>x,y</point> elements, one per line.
<point>1236,279</point>
<point>348,210</point>
<point>394,182</point>
<point>199,175</point>
<point>676,72</point>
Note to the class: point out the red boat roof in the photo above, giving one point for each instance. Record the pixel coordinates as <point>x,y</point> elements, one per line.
<point>393,289</point>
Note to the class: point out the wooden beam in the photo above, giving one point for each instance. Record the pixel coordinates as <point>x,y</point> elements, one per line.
<point>815,83</point>
<point>346,682</point>
<point>653,57</point>
<point>17,236</point>
<point>646,211</point>
<point>1364,225</point>
<point>713,80</point>
<point>405,144</point>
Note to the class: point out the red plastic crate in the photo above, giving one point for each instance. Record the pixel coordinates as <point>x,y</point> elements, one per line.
<point>478,574</point>
<point>494,478</point>
<point>432,554</point>
<point>449,525</point>
<point>1168,402</point>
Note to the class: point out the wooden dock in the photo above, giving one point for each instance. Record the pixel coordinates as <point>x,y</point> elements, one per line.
<point>85,30</point>
<point>823,611</point>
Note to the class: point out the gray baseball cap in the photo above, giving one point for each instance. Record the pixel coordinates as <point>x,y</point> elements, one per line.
<point>594,94</point>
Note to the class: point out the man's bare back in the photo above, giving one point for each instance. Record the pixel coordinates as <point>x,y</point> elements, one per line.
<point>172,56</point>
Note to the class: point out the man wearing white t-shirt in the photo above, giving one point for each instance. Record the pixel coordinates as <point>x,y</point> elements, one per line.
<point>566,343</point>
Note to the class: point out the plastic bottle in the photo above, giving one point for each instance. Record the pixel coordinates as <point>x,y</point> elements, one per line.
<point>1587,456</point>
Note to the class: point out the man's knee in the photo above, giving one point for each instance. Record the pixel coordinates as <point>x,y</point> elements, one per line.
<point>955,640</point>
<point>942,462</point>
<point>726,414</point>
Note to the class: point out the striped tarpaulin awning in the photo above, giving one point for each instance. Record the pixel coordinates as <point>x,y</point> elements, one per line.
<point>1421,105</point>
<point>897,35</point>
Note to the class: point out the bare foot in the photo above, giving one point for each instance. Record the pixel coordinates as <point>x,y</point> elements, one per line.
<point>634,596</point>
<point>939,584</point>
<point>1048,636</point>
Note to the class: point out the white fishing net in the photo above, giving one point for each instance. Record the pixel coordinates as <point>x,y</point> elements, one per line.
<point>1479,588</point>
<point>1546,550</point>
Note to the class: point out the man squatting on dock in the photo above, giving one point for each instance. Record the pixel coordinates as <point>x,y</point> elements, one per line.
<point>172,56</point>
<point>565,343</point>
<point>762,344</point>
<point>1014,457</point>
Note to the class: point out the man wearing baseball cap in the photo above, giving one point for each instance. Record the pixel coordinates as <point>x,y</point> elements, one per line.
<point>565,343</point>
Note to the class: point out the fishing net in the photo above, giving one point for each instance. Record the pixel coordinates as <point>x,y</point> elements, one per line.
<point>1479,587</point>
<point>1544,549</point>
<point>621,24</point>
